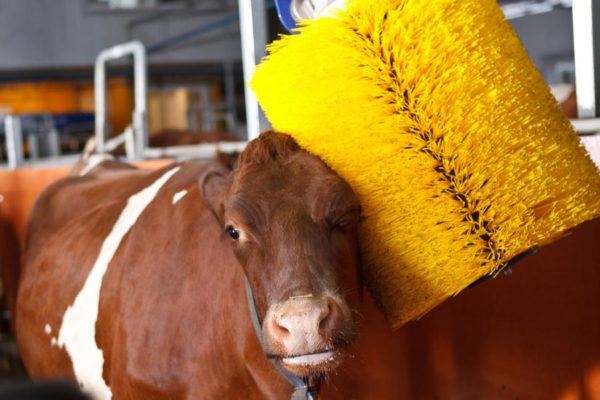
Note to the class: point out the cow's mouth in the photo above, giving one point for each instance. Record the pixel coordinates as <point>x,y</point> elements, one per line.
<point>311,364</point>
<point>310,359</point>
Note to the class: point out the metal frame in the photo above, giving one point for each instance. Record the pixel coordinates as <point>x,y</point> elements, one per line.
<point>14,141</point>
<point>253,26</point>
<point>139,117</point>
<point>136,136</point>
<point>253,29</point>
<point>586,126</point>
<point>586,32</point>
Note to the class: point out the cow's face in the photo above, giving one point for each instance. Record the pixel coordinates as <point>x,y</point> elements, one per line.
<point>292,225</point>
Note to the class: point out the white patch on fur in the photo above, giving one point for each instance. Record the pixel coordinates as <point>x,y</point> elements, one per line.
<point>77,333</point>
<point>48,329</point>
<point>178,196</point>
<point>53,342</point>
<point>93,161</point>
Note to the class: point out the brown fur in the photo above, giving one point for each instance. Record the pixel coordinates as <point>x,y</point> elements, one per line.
<point>173,321</point>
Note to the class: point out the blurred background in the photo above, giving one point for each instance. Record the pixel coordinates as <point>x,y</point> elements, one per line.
<point>195,78</point>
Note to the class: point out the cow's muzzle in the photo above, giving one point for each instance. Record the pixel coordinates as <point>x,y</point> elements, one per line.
<point>308,333</point>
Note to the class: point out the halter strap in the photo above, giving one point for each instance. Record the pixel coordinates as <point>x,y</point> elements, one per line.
<point>301,389</point>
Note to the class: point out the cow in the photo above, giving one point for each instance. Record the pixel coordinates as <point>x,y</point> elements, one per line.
<point>193,281</point>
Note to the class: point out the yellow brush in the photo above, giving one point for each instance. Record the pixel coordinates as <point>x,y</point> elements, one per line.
<point>435,115</point>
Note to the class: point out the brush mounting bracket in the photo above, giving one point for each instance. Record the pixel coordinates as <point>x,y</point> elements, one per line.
<point>292,11</point>
<point>507,270</point>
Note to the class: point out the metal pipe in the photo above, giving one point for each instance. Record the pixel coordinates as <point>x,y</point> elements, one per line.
<point>14,141</point>
<point>585,76</point>
<point>586,126</point>
<point>253,29</point>
<point>139,119</point>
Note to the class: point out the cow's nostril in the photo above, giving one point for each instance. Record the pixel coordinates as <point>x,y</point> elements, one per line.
<point>325,318</point>
<point>280,330</point>
<point>331,318</point>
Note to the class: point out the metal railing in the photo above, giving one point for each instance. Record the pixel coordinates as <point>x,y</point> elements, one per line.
<point>14,141</point>
<point>139,118</point>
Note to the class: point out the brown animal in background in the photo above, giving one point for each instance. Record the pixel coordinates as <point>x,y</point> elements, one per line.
<point>569,105</point>
<point>133,281</point>
<point>174,137</point>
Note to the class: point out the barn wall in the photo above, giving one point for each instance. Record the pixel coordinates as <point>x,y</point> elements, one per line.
<point>548,37</point>
<point>62,33</point>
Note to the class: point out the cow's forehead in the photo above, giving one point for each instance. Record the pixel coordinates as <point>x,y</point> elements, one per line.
<point>290,194</point>
<point>294,177</point>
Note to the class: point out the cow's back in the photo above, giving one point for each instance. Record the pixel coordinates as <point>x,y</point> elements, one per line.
<point>69,222</point>
<point>170,289</point>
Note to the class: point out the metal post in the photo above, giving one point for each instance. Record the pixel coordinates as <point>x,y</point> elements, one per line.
<point>586,36</point>
<point>253,28</point>
<point>139,118</point>
<point>14,141</point>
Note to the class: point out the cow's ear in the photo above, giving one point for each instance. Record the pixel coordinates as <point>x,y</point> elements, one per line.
<point>213,187</point>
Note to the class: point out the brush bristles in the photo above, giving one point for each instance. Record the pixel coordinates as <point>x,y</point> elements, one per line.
<point>437,118</point>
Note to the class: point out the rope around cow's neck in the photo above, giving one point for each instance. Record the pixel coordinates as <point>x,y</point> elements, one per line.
<point>302,391</point>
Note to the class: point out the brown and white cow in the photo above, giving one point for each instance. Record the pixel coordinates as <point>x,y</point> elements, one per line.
<point>133,280</point>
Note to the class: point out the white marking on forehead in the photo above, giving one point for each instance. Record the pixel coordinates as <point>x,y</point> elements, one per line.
<point>178,196</point>
<point>78,330</point>
<point>93,161</point>
<point>48,329</point>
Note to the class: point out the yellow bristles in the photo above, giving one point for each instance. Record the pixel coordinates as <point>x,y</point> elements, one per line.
<point>434,114</point>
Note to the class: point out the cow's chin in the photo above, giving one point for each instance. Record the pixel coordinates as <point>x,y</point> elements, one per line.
<point>313,364</point>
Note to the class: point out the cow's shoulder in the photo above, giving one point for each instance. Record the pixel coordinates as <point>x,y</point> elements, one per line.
<point>108,186</point>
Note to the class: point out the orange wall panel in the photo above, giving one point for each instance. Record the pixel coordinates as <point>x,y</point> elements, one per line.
<point>68,97</point>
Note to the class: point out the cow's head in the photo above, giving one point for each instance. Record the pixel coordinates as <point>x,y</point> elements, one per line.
<point>292,225</point>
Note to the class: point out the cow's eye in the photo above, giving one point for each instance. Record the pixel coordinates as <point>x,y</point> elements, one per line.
<point>233,232</point>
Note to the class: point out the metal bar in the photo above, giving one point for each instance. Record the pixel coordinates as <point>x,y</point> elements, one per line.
<point>198,151</point>
<point>139,118</point>
<point>14,141</point>
<point>586,126</point>
<point>585,71</point>
<point>253,29</point>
